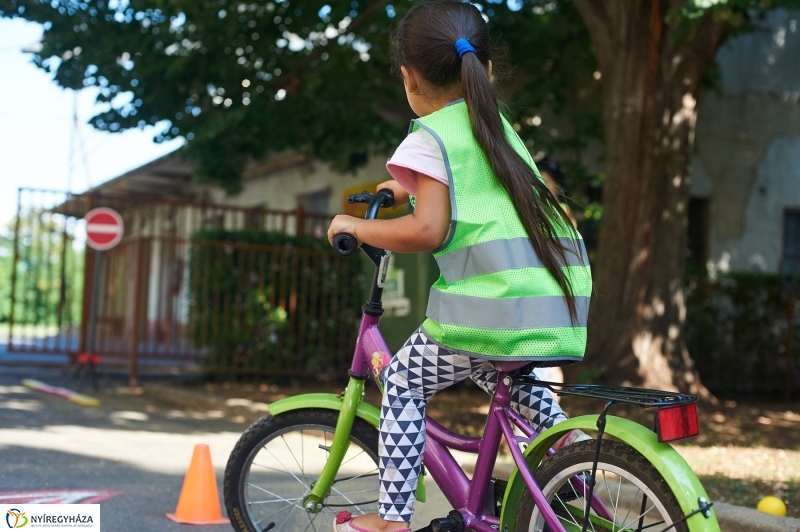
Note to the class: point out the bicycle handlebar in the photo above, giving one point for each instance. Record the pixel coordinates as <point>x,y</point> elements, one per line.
<point>383,198</point>
<point>346,244</point>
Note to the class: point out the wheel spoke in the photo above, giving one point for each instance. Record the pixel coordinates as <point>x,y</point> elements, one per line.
<point>286,469</point>
<point>637,506</point>
<point>345,497</point>
<point>353,457</point>
<point>278,470</point>
<point>274,514</point>
<point>605,483</point>
<point>633,501</point>
<point>373,472</point>
<point>274,482</point>
<point>569,513</point>
<point>280,526</point>
<point>639,517</point>
<point>651,525</point>
<point>292,453</point>
<point>269,492</point>
<point>311,522</point>
<point>356,492</point>
<point>276,500</point>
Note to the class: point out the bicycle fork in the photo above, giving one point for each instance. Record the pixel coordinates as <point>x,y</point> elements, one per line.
<point>341,441</point>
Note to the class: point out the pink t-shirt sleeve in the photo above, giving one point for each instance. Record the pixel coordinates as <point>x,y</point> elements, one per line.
<point>419,153</point>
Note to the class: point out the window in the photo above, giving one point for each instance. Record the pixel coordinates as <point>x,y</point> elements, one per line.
<point>315,202</point>
<point>697,237</point>
<point>791,242</point>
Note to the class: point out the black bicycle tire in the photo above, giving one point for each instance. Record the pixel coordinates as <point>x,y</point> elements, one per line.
<point>613,453</point>
<point>258,433</point>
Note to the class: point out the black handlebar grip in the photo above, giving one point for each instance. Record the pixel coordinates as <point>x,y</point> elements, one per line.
<point>345,244</point>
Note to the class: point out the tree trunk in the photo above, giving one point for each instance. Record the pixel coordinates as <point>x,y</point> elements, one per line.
<point>650,80</point>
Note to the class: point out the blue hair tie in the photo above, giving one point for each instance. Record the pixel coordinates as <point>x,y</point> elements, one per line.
<point>464,47</point>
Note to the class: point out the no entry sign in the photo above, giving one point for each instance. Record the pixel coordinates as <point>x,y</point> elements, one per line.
<point>104,228</point>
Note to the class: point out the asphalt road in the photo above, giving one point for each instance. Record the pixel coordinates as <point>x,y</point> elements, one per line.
<point>130,453</point>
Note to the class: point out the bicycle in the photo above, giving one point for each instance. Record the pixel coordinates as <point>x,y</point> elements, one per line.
<point>316,454</point>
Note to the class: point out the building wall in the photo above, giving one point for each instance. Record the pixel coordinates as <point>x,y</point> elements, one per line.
<point>748,145</point>
<point>282,189</point>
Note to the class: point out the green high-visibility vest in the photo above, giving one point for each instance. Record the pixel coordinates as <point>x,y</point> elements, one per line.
<point>494,299</point>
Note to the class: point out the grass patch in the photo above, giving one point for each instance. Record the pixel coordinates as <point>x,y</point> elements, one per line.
<point>747,492</point>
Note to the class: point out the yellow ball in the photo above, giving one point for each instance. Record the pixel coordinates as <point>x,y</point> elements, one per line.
<point>772,505</point>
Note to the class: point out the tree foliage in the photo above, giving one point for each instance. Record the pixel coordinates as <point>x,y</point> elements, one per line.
<point>242,79</point>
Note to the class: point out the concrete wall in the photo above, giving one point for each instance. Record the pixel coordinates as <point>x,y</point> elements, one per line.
<point>748,145</point>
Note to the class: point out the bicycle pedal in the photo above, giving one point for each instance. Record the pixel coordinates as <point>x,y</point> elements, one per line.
<point>452,523</point>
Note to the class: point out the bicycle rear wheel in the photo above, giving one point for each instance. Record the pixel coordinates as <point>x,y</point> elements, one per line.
<point>277,460</point>
<point>629,487</point>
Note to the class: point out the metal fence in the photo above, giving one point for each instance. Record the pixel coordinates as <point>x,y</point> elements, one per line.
<point>169,300</point>
<point>226,306</point>
<point>44,313</point>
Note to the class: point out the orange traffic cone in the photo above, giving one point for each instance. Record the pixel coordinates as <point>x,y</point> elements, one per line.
<point>199,500</point>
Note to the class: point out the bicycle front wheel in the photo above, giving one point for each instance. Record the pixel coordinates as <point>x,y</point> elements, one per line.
<point>634,495</point>
<point>276,462</point>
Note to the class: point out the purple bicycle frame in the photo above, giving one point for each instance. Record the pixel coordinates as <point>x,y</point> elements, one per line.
<point>468,497</point>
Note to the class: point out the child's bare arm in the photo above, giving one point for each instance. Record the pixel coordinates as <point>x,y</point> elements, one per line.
<point>424,230</point>
<point>400,194</point>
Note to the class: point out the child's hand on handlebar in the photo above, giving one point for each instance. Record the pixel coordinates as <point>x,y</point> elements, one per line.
<point>343,223</point>
<point>400,194</point>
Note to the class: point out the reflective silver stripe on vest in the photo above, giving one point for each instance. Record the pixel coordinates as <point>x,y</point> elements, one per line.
<point>537,312</point>
<point>498,255</point>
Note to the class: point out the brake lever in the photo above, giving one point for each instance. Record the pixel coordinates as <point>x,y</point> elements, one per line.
<point>364,197</point>
<point>388,197</point>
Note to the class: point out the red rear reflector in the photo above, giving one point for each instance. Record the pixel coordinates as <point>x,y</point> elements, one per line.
<point>677,422</point>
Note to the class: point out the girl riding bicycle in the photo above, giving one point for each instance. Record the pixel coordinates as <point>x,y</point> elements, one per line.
<point>515,281</point>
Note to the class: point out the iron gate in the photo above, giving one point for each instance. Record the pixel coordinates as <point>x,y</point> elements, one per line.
<point>44,313</point>
<point>171,301</point>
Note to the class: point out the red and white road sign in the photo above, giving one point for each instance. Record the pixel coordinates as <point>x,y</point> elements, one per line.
<point>104,228</point>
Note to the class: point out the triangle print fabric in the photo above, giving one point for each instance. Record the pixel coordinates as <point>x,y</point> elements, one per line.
<point>419,370</point>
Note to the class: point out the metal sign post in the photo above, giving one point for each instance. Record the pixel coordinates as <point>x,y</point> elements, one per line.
<point>104,230</point>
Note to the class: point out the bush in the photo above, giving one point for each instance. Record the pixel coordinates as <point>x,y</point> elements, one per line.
<point>265,302</point>
<point>736,331</point>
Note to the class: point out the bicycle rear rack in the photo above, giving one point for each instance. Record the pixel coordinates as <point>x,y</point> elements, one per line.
<point>641,397</point>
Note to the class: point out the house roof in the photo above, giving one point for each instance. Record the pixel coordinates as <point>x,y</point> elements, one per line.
<point>166,178</point>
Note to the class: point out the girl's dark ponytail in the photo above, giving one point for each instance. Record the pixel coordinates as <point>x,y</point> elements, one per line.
<point>535,205</point>
<point>425,41</point>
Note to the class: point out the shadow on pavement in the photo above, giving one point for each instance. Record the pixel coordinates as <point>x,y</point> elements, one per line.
<point>146,495</point>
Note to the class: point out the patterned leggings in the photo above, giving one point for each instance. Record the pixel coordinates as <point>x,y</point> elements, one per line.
<point>417,371</point>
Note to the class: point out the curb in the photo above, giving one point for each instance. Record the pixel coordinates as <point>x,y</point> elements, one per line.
<point>731,518</point>
<point>740,519</point>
